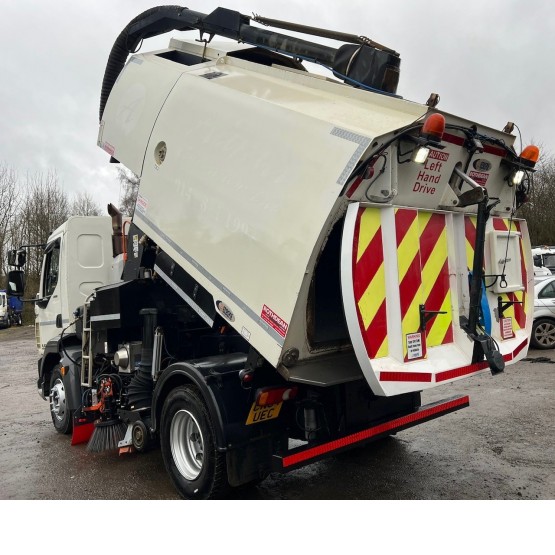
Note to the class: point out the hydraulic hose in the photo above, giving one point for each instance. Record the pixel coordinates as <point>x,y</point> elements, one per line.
<point>355,63</point>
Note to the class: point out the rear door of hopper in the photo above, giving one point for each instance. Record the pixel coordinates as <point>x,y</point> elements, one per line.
<point>405,283</point>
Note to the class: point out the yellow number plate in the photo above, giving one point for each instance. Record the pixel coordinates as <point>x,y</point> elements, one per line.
<point>261,414</point>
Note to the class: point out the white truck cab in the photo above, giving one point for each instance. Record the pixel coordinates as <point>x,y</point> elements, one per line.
<point>77,260</point>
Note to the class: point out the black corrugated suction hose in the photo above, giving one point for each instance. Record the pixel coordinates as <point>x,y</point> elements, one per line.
<point>129,39</point>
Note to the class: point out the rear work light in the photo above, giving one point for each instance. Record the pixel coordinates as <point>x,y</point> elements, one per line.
<point>272,395</point>
<point>526,161</point>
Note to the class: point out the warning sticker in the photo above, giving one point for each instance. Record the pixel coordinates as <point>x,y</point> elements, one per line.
<point>414,346</point>
<point>480,177</point>
<point>108,148</point>
<point>142,204</point>
<point>506,328</point>
<point>270,317</point>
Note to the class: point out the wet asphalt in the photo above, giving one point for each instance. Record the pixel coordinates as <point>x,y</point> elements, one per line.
<point>501,447</point>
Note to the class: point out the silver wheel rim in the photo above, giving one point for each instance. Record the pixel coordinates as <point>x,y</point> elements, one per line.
<point>545,334</point>
<point>187,444</point>
<point>58,400</point>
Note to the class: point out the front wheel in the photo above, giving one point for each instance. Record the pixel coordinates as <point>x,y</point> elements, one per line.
<point>196,468</point>
<point>59,409</point>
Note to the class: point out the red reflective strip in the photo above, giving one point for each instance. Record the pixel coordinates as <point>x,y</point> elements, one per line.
<point>453,139</point>
<point>497,151</point>
<point>463,371</point>
<point>476,367</point>
<point>448,374</point>
<point>405,377</point>
<point>303,456</point>
<point>353,187</point>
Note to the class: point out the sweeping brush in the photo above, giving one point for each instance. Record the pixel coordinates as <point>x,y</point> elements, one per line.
<point>106,436</point>
<point>109,430</point>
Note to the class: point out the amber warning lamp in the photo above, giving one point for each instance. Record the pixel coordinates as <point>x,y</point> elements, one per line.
<point>433,128</point>
<point>529,156</point>
<point>430,135</point>
<point>527,160</point>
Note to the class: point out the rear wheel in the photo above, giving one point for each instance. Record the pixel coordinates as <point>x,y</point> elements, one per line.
<point>59,409</point>
<point>196,468</point>
<point>543,334</point>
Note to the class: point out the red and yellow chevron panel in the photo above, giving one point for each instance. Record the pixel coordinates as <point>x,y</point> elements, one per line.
<point>423,277</point>
<point>435,277</point>
<point>410,281</point>
<point>517,311</point>
<point>369,281</point>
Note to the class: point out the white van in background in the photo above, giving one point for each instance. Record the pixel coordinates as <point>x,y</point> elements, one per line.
<point>4,316</point>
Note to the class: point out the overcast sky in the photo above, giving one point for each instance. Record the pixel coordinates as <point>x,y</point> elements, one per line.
<point>490,60</point>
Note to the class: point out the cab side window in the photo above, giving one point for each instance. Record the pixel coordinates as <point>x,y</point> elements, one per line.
<point>548,292</point>
<point>51,269</point>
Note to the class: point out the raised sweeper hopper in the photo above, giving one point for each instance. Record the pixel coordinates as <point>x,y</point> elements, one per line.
<point>335,228</point>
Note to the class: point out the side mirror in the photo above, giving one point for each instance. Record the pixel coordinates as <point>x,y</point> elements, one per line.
<point>16,283</point>
<point>17,258</point>
<point>42,303</point>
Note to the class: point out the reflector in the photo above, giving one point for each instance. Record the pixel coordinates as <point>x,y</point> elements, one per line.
<point>271,396</point>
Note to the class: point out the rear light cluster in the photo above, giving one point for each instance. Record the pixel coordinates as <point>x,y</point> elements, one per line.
<point>272,395</point>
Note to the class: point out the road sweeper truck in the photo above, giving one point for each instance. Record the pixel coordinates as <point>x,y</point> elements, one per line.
<point>307,254</point>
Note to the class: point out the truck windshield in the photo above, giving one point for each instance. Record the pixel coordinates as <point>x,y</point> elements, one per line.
<point>549,260</point>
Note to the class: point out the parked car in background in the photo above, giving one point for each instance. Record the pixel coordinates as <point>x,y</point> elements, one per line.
<point>543,329</point>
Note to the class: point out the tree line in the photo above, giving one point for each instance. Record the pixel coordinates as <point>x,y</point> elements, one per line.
<point>33,207</point>
<point>539,211</point>
<point>30,209</point>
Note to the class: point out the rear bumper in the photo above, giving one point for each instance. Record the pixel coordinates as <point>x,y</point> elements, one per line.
<point>301,456</point>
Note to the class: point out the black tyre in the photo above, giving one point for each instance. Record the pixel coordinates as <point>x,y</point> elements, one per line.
<point>543,334</point>
<point>59,409</point>
<point>187,438</point>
